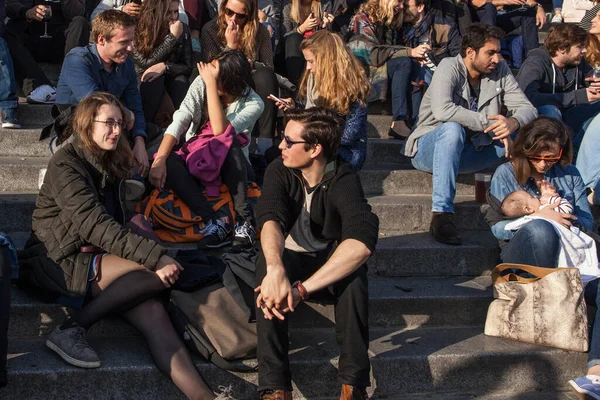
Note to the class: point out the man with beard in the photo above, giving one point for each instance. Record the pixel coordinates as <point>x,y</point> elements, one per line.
<point>105,66</point>
<point>461,127</point>
<point>554,80</point>
<point>428,38</point>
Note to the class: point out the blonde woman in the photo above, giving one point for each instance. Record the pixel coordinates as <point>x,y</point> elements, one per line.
<point>301,18</point>
<point>237,28</point>
<point>327,58</point>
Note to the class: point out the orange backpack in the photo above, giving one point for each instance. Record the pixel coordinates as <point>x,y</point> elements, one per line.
<point>173,221</point>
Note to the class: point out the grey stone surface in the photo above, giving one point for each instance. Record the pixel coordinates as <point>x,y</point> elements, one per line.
<point>403,179</point>
<point>385,151</point>
<point>15,211</point>
<point>413,212</point>
<point>400,302</point>
<point>23,143</point>
<point>430,360</point>
<point>20,174</point>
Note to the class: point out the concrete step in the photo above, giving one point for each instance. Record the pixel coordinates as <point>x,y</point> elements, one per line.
<point>398,178</point>
<point>20,174</point>
<point>34,116</point>
<point>424,360</point>
<point>396,212</point>
<point>385,151</point>
<point>23,143</point>
<point>410,254</point>
<point>413,212</point>
<point>393,302</point>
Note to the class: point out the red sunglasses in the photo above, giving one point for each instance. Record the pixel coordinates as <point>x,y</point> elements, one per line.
<point>549,160</point>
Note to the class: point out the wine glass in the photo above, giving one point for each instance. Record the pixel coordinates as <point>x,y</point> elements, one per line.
<point>523,7</point>
<point>47,17</point>
<point>596,73</point>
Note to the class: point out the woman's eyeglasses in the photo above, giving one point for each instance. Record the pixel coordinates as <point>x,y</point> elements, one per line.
<point>239,17</point>
<point>112,124</point>
<point>289,142</point>
<point>549,160</point>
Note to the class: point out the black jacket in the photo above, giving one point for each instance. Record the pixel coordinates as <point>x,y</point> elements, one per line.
<point>70,212</point>
<point>339,209</point>
<point>63,11</point>
<point>538,77</point>
<point>176,53</point>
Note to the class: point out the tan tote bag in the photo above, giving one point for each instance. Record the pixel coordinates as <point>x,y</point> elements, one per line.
<point>547,310</point>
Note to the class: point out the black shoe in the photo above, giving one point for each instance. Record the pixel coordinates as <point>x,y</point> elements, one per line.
<point>443,230</point>
<point>216,234</point>
<point>392,134</point>
<point>245,235</point>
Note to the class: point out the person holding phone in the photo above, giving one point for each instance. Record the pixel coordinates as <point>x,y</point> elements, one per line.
<point>237,27</point>
<point>81,249</point>
<point>302,18</point>
<point>162,55</point>
<point>328,58</point>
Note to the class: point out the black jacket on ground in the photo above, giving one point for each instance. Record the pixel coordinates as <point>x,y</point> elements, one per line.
<point>70,212</point>
<point>339,209</point>
<point>537,78</point>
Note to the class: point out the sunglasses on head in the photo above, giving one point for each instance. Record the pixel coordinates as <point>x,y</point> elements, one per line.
<point>549,160</point>
<point>239,17</point>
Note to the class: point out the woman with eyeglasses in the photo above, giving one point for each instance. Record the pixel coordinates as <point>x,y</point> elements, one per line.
<point>162,55</point>
<point>81,250</point>
<point>542,151</point>
<point>237,28</point>
<point>328,58</point>
<point>221,100</point>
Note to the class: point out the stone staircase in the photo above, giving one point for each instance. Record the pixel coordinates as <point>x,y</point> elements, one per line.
<point>428,304</point>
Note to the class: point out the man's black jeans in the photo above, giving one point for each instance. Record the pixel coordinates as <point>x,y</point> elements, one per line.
<point>351,300</point>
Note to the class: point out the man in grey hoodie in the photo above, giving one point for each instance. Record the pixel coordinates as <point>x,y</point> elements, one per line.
<point>461,125</point>
<point>554,80</point>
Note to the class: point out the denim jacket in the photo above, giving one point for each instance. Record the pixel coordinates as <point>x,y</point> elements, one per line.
<point>567,181</point>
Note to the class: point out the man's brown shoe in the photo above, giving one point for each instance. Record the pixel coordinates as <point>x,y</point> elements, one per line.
<point>275,395</point>
<point>353,393</point>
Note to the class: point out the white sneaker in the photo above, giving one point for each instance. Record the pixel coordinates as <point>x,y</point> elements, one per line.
<point>45,94</point>
<point>557,18</point>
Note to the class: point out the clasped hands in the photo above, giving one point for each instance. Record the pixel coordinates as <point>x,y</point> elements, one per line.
<point>276,297</point>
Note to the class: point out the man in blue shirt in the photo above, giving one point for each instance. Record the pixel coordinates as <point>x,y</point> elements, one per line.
<point>106,67</point>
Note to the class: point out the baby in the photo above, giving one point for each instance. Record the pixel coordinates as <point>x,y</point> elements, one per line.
<point>521,203</point>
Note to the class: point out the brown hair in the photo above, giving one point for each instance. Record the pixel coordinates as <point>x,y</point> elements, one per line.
<point>540,135</point>
<point>563,36</point>
<point>119,163</point>
<point>321,126</point>
<point>512,205</point>
<point>592,50</point>
<point>334,60</point>
<point>107,21</point>
<point>152,26</point>
<point>315,8</point>
<point>249,31</point>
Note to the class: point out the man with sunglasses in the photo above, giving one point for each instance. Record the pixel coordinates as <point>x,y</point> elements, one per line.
<point>317,232</point>
<point>554,80</point>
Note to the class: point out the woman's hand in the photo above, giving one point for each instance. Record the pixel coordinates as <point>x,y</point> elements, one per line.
<point>289,103</point>
<point>132,9</point>
<point>176,28</point>
<point>158,173</point>
<point>549,213</point>
<point>309,23</point>
<point>154,72</point>
<point>420,51</point>
<point>327,20</point>
<point>141,156</point>
<point>233,34</point>
<point>168,270</point>
<point>209,72</point>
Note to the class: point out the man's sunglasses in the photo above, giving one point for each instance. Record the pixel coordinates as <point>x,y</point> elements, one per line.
<point>549,160</point>
<point>289,142</point>
<point>239,17</point>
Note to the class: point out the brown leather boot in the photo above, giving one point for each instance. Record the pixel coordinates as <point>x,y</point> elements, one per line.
<point>275,395</point>
<point>353,393</point>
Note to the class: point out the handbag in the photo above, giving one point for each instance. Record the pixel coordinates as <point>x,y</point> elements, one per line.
<point>547,309</point>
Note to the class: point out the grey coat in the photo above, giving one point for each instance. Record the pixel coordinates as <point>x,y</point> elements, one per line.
<point>447,100</point>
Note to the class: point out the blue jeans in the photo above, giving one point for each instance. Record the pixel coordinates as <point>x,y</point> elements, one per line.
<point>584,120</point>
<point>536,243</point>
<point>445,152</point>
<point>406,98</point>
<point>557,4</point>
<point>8,96</point>
<point>592,297</point>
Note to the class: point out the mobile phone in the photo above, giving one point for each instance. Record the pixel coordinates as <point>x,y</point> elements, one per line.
<point>138,2</point>
<point>278,100</point>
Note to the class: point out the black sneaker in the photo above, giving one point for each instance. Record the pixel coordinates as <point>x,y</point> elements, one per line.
<point>245,235</point>
<point>443,230</point>
<point>71,345</point>
<point>216,234</point>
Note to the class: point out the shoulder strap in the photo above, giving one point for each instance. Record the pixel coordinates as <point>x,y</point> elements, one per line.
<point>538,272</point>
